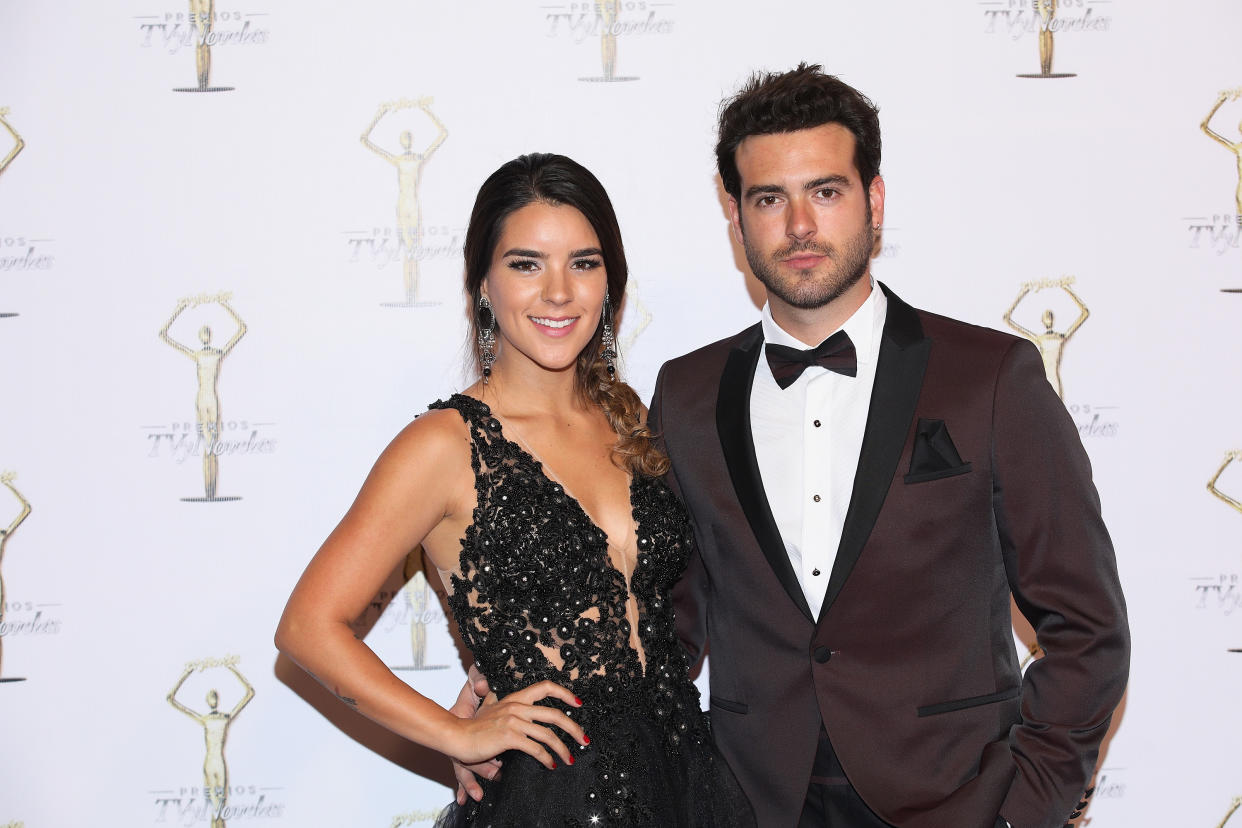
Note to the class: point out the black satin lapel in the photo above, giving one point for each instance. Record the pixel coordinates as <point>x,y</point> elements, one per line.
<point>898,380</point>
<point>733,426</point>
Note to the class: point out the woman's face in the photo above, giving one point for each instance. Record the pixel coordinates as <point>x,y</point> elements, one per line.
<point>546,285</point>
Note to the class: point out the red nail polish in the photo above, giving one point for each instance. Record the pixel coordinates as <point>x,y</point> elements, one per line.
<point>553,766</point>
<point>586,740</point>
<point>578,700</point>
<point>571,759</point>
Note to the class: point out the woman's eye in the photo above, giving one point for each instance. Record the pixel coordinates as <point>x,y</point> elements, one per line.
<point>588,264</point>
<point>523,265</point>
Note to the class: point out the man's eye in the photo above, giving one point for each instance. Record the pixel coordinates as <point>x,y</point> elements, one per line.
<point>766,201</point>
<point>828,192</point>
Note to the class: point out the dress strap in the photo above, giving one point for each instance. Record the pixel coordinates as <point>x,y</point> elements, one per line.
<point>476,414</point>
<point>490,451</point>
<point>470,408</point>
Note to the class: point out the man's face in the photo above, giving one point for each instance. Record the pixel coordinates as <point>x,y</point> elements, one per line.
<point>804,217</point>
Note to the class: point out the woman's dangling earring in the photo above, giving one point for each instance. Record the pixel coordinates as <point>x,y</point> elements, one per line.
<point>608,342</point>
<point>487,337</point>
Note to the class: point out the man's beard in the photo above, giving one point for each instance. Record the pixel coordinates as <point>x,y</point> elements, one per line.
<point>845,268</point>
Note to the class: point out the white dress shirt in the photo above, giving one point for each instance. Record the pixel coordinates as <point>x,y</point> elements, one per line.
<point>807,440</point>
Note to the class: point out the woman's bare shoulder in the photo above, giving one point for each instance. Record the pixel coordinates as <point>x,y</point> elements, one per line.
<point>438,440</point>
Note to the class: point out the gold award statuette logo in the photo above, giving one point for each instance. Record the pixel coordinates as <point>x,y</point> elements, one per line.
<point>609,20</point>
<point>606,19</point>
<point>1233,808</point>
<point>207,361</point>
<point>424,609</point>
<point>1051,342</point>
<point>1046,13</point>
<point>1034,653</point>
<point>1045,19</point>
<point>200,29</point>
<point>409,166</point>
<point>1216,491</point>
<point>203,19</point>
<point>1233,146</point>
<point>215,724</point>
<point>6,479</point>
<point>1230,456</point>
<point>18,142</point>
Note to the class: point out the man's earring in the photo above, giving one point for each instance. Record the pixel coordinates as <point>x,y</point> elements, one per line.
<point>486,342</point>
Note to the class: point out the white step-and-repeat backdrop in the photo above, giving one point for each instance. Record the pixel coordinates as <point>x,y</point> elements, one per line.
<point>261,205</point>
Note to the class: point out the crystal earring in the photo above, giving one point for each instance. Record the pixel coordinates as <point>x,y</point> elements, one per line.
<point>486,341</point>
<point>608,342</point>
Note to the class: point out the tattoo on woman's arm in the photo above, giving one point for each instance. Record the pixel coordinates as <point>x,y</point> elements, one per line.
<point>351,702</point>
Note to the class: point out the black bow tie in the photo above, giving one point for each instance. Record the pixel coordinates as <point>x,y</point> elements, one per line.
<point>836,353</point>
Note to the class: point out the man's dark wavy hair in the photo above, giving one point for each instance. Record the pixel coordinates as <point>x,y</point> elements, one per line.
<point>801,98</point>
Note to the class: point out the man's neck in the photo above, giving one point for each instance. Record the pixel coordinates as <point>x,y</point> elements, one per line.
<point>812,326</point>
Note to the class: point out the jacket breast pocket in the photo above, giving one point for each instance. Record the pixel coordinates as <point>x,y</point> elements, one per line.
<point>928,476</point>
<point>933,455</point>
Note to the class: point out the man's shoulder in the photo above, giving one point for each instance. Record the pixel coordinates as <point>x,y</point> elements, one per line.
<point>907,324</point>
<point>955,333</point>
<point>974,353</point>
<point>712,355</point>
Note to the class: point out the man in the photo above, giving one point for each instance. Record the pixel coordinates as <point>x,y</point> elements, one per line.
<point>861,526</point>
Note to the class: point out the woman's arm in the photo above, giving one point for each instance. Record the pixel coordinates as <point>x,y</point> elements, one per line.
<point>421,490</point>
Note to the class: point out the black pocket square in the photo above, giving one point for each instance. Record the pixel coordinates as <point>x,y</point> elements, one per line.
<point>934,455</point>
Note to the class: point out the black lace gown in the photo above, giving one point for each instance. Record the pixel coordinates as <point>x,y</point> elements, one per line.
<point>539,598</point>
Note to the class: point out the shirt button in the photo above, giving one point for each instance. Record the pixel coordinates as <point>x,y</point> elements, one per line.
<point>815,498</point>
<point>815,573</point>
<point>816,423</point>
<point>822,654</point>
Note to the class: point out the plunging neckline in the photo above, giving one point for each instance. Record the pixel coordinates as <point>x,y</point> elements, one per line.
<point>548,474</point>
<point>635,523</point>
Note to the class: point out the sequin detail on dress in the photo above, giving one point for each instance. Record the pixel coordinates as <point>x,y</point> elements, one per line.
<point>538,597</point>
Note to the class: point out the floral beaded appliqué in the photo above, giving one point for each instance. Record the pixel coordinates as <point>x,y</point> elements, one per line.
<point>537,597</point>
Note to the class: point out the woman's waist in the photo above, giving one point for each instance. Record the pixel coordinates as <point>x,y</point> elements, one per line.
<point>620,701</point>
<point>597,689</point>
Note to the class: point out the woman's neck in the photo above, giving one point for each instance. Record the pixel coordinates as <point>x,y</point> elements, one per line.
<point>532,393</point>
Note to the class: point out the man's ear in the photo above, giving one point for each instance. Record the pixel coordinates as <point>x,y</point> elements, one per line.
<point>875,192</point>
<point>735,220</point>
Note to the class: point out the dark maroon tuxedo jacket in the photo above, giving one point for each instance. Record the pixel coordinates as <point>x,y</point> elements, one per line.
<point>972,484</point>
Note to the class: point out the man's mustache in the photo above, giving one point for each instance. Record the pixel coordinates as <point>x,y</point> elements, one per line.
<point>806,247</point>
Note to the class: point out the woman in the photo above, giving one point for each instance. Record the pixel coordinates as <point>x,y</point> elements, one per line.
<point>537,494</point>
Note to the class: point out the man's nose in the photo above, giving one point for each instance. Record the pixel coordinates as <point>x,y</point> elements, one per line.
<point>800,220</point>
